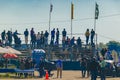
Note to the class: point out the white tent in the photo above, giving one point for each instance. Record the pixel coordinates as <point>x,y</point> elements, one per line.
<point>3,50</point>
<point>11,50</point>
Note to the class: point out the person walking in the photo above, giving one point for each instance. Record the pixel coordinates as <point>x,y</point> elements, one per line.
<point>59,66</point>
<point>102,69</point>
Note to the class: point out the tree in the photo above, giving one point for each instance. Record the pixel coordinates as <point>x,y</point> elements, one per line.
<point>113,45</point>
<point>102,45</point>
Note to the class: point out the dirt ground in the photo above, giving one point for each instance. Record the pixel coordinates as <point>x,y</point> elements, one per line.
<point>67,75</point>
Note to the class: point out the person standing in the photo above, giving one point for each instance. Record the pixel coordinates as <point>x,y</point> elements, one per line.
<point>53,35</point>
<point>92,35</point>
<point>33,38</point>
<point>38,40</point>
<point>88,67</point>
<point>94,67</point>
<point>83,67</point>
<point>64,33</point>
<point>57,36</point>
<point>102,69</point>
<point>79,44</point>
<point>59,66</point>
<point>46,34</point>
<point>9,34</point>
<point>26,33</point>
<point>87,34</point>
<point>3,36</point>
<point>41,67</point>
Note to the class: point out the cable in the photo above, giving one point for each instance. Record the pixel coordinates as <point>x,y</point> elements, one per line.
<point>107,37</point>
<point>61,21</point>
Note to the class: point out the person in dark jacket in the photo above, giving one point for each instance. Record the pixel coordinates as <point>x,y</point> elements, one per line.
<point>94,67</point>
<point>26,33</point>
<point>41,68</point>
<point>83,67</point>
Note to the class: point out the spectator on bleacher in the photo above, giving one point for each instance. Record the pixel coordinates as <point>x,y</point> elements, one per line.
<point>38,40</point>
<point>87,34</point>
<point>57,36</point>
<point>6,41</point>
<point>1,63</point>
<point>42,39</point>
<point>1,44</point>
<point>16,38</point>
<point>72,42</point>
<point>64,34</point>
<point>53,35</point>
<point>103,51</point>
<point>33,41</point>
<point>32,35</point>
<point>79,44</point>
<point>22,66</point>
<point>46,37</point>
<point>3,35</point>
<point>108,55</point>
<point>19,43</point>
<point>27,65</point>
<point>26,33</point>
<point>67,42</point>
<point>9,34</point>
<point>92,35</point>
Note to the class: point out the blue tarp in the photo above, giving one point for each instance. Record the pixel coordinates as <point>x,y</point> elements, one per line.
<point>16,70</point>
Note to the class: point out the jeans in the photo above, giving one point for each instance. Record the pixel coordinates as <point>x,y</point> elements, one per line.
<point>83,71</point>
<point>102,74</point>
<point>93,75</point>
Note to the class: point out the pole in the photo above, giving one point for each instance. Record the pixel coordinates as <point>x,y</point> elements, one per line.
<point>71,28</point>
<point>72,9</point>
<point>49,55</point>
<point>95,38</point>
<point>49,17</point>
<point>49,21</point>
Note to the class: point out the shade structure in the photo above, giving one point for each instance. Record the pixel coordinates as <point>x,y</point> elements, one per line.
<point>11,50</point>
<point>3,50</point>
<point>10,55</point>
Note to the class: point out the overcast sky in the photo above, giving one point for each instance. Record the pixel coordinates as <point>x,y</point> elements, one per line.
<point>22,14</point>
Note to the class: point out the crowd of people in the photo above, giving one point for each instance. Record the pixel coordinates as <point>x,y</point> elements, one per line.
<point>102,65</point>
<point>40,39</point>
